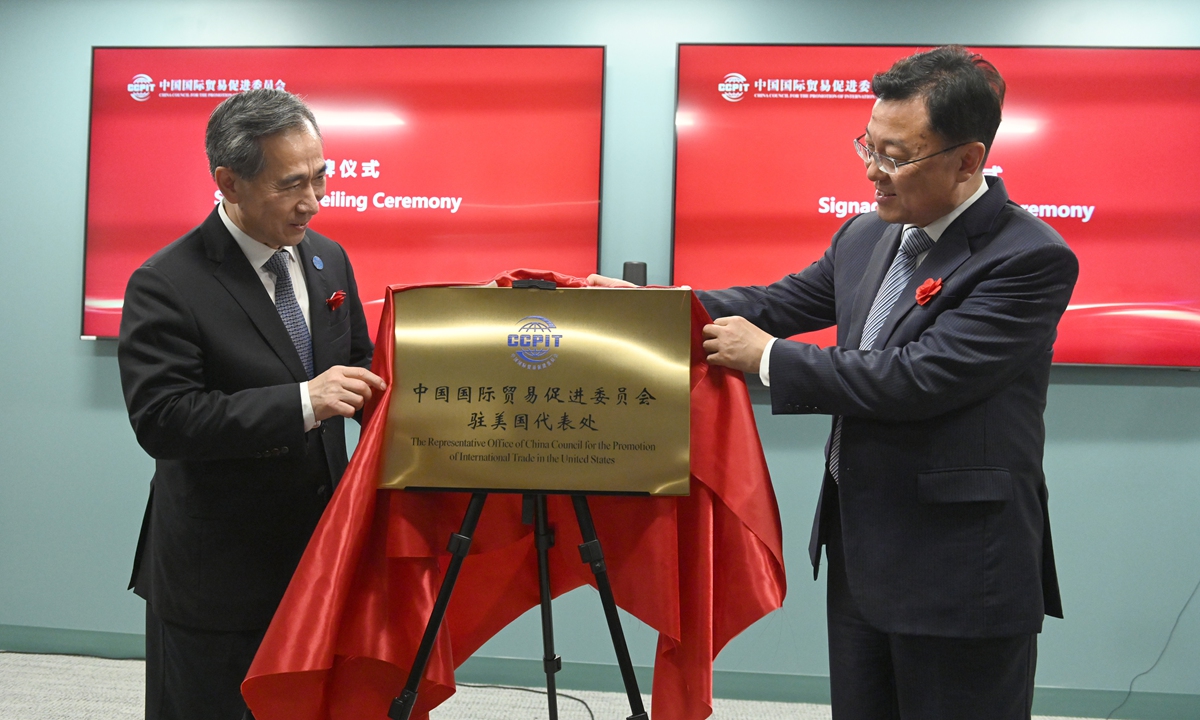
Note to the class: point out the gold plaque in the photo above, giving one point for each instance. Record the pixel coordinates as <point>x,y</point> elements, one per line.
<point>568,390</point>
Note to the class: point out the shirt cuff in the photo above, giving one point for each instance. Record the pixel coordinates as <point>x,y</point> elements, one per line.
<point>764,365</point>
<point>310,417</point>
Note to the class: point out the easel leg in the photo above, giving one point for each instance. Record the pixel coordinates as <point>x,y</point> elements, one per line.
<point>460,543</point>
<point>592,554</point>
<point>544,538</point>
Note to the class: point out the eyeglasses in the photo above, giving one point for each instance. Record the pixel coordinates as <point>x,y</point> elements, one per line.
<point>887,164</point>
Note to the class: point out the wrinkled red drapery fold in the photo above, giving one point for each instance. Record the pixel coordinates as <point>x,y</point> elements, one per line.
<point>699,569</point>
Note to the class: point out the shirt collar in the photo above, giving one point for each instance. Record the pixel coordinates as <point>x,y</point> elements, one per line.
<point>257,253</point>
<point>935,229</point>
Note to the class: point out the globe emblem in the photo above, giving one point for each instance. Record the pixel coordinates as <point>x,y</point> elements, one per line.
<point>733,87</point>
<point>536,342</point>
<point>535,325</point>
<point>141,87</point>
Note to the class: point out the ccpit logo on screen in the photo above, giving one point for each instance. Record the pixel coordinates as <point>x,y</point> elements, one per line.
<point>141,87</point>
<point>534,343</point>
<point>733,87</point>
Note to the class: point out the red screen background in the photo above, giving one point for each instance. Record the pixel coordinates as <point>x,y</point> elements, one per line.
<point>514,132</point>
<point>1091,128</point>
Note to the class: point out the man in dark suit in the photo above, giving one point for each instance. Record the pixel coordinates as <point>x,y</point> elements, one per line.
<point>243,346</point>
<point>933,507</point>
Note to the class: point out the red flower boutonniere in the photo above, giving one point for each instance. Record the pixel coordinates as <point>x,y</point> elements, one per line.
<point>928,289</point>
<point>335,300</point>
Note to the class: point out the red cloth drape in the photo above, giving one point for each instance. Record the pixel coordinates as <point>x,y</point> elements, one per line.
<point>699,569</point>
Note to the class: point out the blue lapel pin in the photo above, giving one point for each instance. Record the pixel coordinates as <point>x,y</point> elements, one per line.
<point>318,263</point>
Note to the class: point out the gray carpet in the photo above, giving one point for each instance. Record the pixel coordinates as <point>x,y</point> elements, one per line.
<point>472,703</point>
<point>41,687</point>
<point>68,687</point>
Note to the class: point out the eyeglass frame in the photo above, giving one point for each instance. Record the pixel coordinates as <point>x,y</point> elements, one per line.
<point>896,165</point>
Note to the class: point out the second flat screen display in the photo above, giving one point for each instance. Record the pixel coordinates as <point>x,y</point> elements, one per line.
<point>1090,142</point>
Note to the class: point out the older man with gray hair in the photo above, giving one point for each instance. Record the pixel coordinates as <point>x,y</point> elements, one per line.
<point>243,347</point>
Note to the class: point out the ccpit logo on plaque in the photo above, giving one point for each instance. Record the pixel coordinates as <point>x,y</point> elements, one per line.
<point>535,341</point>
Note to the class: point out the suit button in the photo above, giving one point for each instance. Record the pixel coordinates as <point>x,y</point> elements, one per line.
<point>285,450</point>
<point>322,491</point>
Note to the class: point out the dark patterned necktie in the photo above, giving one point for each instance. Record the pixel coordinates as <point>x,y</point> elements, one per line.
<point>914,243</point>
<point>289,309</point>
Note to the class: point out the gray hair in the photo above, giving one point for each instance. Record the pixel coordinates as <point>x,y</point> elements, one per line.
<point>239,124</point>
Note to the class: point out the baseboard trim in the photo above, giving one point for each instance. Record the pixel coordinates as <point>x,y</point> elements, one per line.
<point>1099,703</point>
<point>604,677</point>
<point>814,689</point>
<point>58,641</point>
<point>736,685</point>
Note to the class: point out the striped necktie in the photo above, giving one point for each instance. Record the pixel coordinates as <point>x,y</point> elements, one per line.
<point>289,309</point>
<point>914,243</point>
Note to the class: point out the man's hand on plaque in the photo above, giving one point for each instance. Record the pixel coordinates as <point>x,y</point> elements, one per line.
<point>602,281</point>
<point>342,390</point>
<point>735,342</point>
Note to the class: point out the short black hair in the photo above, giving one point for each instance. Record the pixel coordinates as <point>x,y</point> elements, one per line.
<point>963,92</point>
<point>238,126</point>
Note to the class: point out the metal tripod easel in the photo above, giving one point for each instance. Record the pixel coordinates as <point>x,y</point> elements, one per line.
<point>590,552</point>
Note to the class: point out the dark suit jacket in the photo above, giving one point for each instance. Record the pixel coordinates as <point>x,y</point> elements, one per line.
<point>941,495</point>
<point>211,383</point>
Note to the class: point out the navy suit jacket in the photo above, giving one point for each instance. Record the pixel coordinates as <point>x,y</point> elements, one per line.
<point>942,499</point>
<point>210,380</point>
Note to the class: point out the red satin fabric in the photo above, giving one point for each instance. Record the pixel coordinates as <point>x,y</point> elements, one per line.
<point>699,569</point>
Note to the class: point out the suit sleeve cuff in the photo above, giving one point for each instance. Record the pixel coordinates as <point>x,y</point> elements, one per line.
<point>764,365</point>
<point>310,417</point>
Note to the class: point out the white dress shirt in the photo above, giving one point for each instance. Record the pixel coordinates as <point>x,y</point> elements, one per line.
<point>258,254</point>
<point>934,230</point>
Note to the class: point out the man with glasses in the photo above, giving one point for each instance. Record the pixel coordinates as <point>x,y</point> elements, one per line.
<point>933,509</point>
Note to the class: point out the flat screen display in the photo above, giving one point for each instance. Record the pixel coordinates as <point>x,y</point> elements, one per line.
<point>443,164</point>
<point>1090,142</point>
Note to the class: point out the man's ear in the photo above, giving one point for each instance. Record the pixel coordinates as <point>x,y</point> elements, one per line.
<point>971,160</point>
<point>227,183</point>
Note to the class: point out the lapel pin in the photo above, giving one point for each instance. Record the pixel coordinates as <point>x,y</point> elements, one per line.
<point>318,263</point>
<point>928,289</point>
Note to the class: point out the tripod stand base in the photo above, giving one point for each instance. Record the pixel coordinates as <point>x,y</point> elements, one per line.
<point>402,706</point>
<point>590,553</point>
